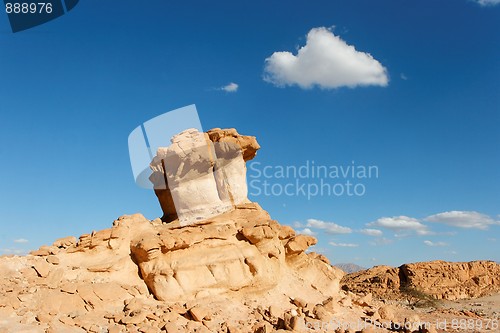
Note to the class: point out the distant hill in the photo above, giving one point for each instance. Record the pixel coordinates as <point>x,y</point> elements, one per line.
<point>350,267</point>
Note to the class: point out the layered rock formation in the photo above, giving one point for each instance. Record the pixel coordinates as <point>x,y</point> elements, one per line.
<point>439,279</point>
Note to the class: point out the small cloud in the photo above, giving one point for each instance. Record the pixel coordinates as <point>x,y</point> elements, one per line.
<point>433,244</point>
<point>401,224</point>
<point>381,241</point>
<point>21,240</point>
<point>452,252</point>
<point>487,3</point>
<point>372,232</point>
<point>343,244</point>
<point>231,87</point>
<point>463,219</point>
<point>325,61</point>
<point>329,227</point>
<point>297,224</point>
<point>403,76</point>
<point>491,239</point>
<point>13,251</point>
<point>446,233</point>
<point>307,231</point>
<point>427,233</point>
<point>315,248</point>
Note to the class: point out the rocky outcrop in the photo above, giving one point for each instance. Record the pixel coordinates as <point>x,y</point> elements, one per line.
<point>382,281</point>
<point>439,279</point>
<point>241,249</point>
<point>201,175</point>
<point>150,274</point>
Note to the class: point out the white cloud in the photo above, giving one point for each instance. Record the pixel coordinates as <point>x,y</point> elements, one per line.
<point>403,76</point>
<point>231,87</point>
<point>463,219</point>
<point>329,227</point>
<point>21,240</point>
<point>343,244</point>
<point>381,241</point>
<point>316,249</point>
<point>307,231</point>
<point>372,232</point>
<point>488,2</point>
<point>326,61</point>
<point>403,224</point>
<point>13,251</point>
<point>429,243</point>
<point>297,224</point>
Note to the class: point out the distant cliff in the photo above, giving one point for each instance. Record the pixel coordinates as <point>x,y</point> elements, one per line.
<point>440,279</point>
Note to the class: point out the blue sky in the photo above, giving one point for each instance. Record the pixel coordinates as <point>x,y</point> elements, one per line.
<point>411,87</point>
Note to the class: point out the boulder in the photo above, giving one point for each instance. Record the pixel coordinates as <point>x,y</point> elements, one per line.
<point>201,175</point>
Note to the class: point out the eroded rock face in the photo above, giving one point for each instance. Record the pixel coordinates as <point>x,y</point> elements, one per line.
<point>440,279</point>
<point>201,175</point>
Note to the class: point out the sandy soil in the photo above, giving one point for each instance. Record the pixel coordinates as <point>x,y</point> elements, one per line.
<point>468,315</point>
